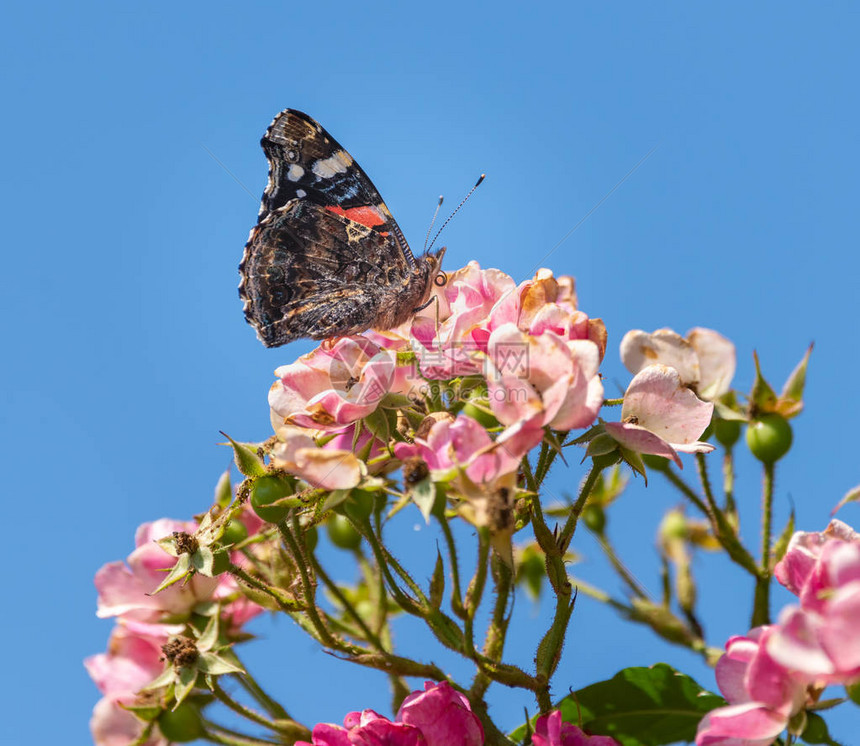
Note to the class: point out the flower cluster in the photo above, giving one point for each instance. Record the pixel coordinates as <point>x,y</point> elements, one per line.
<point>146,622</point>
<point>467,388</point>
<point>774,672</point>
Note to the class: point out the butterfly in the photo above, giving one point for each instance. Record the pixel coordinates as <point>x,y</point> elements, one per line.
<point>326,257</point>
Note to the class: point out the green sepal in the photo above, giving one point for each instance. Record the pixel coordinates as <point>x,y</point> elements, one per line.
<point>378,424</point>
<point>215,665</point>
<point>852,496</point>
<point>762,397</point>
<point>423,494</point>
<point>209,636</point>
<point>335,498</point>
<point>853,692</point>
<point>437,582</point>
<point>601,445</point>
<point>211,563</point>
<point>223,490</point>
<point>634,460</point>
<point>180,570</point>
<point>791,398</point>
<point>247,460</point>
<point>780,546</point>
<point>165,678</point>
<point>185,681</point>
<point>446,630</point>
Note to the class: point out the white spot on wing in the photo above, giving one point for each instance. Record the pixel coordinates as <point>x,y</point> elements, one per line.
<point>325,168</point>
<point>301,193</point>
<point>295,172</point>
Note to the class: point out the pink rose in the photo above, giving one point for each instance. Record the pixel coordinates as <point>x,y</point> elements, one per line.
<point>133,659</point>
<point>821,638</point>
<point>661,416</point>
<point>443,716</point>
<point>542,380</point>
<point>762,694</point>
<point>335,385</point>
<point>124,588</point>
<point>551,730</point>
<point>365,728</point>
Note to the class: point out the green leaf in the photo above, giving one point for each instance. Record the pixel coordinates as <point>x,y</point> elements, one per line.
<point>640,707</point>
<point>247,460</point>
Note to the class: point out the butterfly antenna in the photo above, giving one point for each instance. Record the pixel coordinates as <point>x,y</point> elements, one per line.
<point>448,220</point>
<point>432,222</point>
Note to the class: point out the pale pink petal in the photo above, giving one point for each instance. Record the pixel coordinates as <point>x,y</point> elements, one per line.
<point>795,644</point>
<point>657,401</point>
<point>111,725</point>
<point>636,438</point>
<point>640,349</point>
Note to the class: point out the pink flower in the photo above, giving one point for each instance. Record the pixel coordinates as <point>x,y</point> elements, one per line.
<point>821,638</point>
<point>365,728</point>
<point>661,416</point>
<point>762,694</point>
<point>461,444</point>
<point>804,550</point>
<point>132,660</point>
<point>443,716</point>
<point>543,380</point>
<point>551,730</point>
<point>705,360</point>
<point>451,333</point>
<point>438,716</point>
<point>335,385</point>
<point>111,725</point>
<point>326,468</point>
<point>124,588</point>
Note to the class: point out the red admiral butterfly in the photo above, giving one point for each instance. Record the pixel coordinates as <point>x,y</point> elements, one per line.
<point>326,257</point>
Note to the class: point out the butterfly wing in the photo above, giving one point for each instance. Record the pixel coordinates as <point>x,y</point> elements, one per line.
<point>306,162</point>
<point>309,271</point>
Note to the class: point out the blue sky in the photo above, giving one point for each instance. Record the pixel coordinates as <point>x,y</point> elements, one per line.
<point>126,350</point>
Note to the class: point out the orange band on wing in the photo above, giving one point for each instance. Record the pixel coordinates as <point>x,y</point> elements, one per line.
<point>366,215</point>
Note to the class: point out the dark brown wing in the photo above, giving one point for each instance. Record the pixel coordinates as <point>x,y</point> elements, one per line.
<point>311,272</point>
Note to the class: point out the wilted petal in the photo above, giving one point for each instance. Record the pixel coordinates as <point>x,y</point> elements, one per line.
<point>717,361</point>
<point>640,349</point>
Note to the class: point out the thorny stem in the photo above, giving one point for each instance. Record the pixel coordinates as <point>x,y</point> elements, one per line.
<point>456,594</point>
<point>567,532</point>
<point>286,604</point>
<point>729,481</point>
<point>494,640</point>
<point>307,587</point>
<point>761,600</point>
<point>702,468</point>
<point>475,591</point>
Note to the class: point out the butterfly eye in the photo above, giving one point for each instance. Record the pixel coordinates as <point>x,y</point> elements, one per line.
<point>440,280</point>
